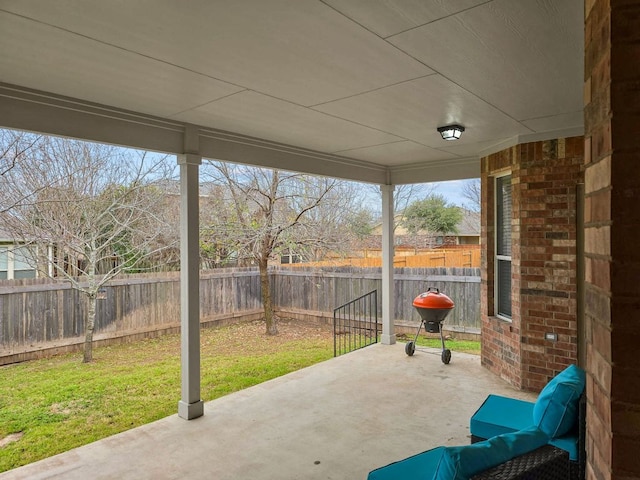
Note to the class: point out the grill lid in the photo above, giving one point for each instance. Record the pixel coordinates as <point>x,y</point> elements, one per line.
<point>432,299</point>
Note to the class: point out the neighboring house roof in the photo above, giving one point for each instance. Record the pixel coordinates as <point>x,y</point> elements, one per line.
<point>469,226</point>
<point>6,236</point>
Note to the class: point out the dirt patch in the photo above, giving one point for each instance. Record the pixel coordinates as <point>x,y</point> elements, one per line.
<point>14,437</point>
<point>252,335</point>
<point>243,337</point>
<point>288,329</point>
<point>68,408</point>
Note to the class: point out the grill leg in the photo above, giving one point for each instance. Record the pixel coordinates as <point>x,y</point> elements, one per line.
<point>446,353</point>
<point>419,328</point>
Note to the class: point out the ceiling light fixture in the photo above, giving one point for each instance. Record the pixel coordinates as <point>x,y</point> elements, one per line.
<point>451,132</point>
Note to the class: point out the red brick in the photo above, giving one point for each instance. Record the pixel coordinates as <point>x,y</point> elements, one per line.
<point>625,456</point>
<point>544,178</point>
<point>625,419</point>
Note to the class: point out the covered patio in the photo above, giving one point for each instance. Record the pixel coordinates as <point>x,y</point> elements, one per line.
<point>337,419</point>
<point>545,89</point>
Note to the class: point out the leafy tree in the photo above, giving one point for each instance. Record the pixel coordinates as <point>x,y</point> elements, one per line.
<point>361,223</point>
<point>432,214</point>
<point>88,212</point>
<point>403,196</point>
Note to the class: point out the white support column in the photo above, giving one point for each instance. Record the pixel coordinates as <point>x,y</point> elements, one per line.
<point>388,327</point>
<point>190,405</point>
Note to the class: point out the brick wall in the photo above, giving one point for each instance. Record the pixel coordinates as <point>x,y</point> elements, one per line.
<point>545,176</point>
<point>612,226</point>
<point>501,352</point>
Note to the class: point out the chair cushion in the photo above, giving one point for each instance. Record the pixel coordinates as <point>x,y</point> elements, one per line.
<point>556,409</point>
<point>461,463</point>
<point>417,467</point>
<point>498,415</point>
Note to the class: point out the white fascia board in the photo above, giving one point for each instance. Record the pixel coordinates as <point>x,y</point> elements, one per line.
<point>436,171</point>
<point>220,145</point>
<point>533,137</point>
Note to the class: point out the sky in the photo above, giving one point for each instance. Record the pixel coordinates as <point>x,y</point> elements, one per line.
<point>452,191</point>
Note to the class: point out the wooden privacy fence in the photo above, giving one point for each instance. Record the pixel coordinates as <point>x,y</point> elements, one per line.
<point>459,257</point>
<point>38,316</point>
<point>319,290</point>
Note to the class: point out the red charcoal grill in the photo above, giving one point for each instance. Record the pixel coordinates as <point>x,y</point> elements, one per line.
<point>433,308</point>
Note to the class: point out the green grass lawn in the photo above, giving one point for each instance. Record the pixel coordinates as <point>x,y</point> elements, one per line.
<point>60,403</point>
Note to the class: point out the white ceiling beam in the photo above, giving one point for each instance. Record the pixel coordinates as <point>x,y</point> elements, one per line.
<point>30,110</point>
<point>56,115</point>
<point>217,145</point>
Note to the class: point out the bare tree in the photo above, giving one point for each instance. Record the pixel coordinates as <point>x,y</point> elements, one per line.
<point>471,191</point>
<point>14,146</point>
<point>218,225</point>
<point>266,212</point>
<point>87,212</point>
<point>328,227</point>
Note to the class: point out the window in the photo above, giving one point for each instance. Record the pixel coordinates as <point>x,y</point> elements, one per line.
<point>16,262</point>
<point>290,257</point>
<point>503,246</point>
<point>23,263</point>
<point>4,263</point>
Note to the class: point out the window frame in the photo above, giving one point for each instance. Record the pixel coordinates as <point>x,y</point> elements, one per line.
<point>4,262</point>
<point>500,257</point>
<point>22,267</point>
<point>14,267</point>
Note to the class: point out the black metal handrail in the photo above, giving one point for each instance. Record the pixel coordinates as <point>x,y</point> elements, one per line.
<point>355,324</point>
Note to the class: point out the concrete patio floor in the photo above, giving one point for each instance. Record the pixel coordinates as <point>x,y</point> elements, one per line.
<point>335,420</point>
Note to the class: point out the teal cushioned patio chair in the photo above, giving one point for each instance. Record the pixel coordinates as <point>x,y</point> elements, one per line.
<point>518,433</point>
<point>511,456</point>
<point>499,415</point>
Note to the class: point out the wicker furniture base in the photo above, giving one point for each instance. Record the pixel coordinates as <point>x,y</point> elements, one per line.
<point>545,463</point>
<point>576,469</point>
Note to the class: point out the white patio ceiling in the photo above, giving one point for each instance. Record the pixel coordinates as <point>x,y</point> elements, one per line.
<point>348,88</point>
